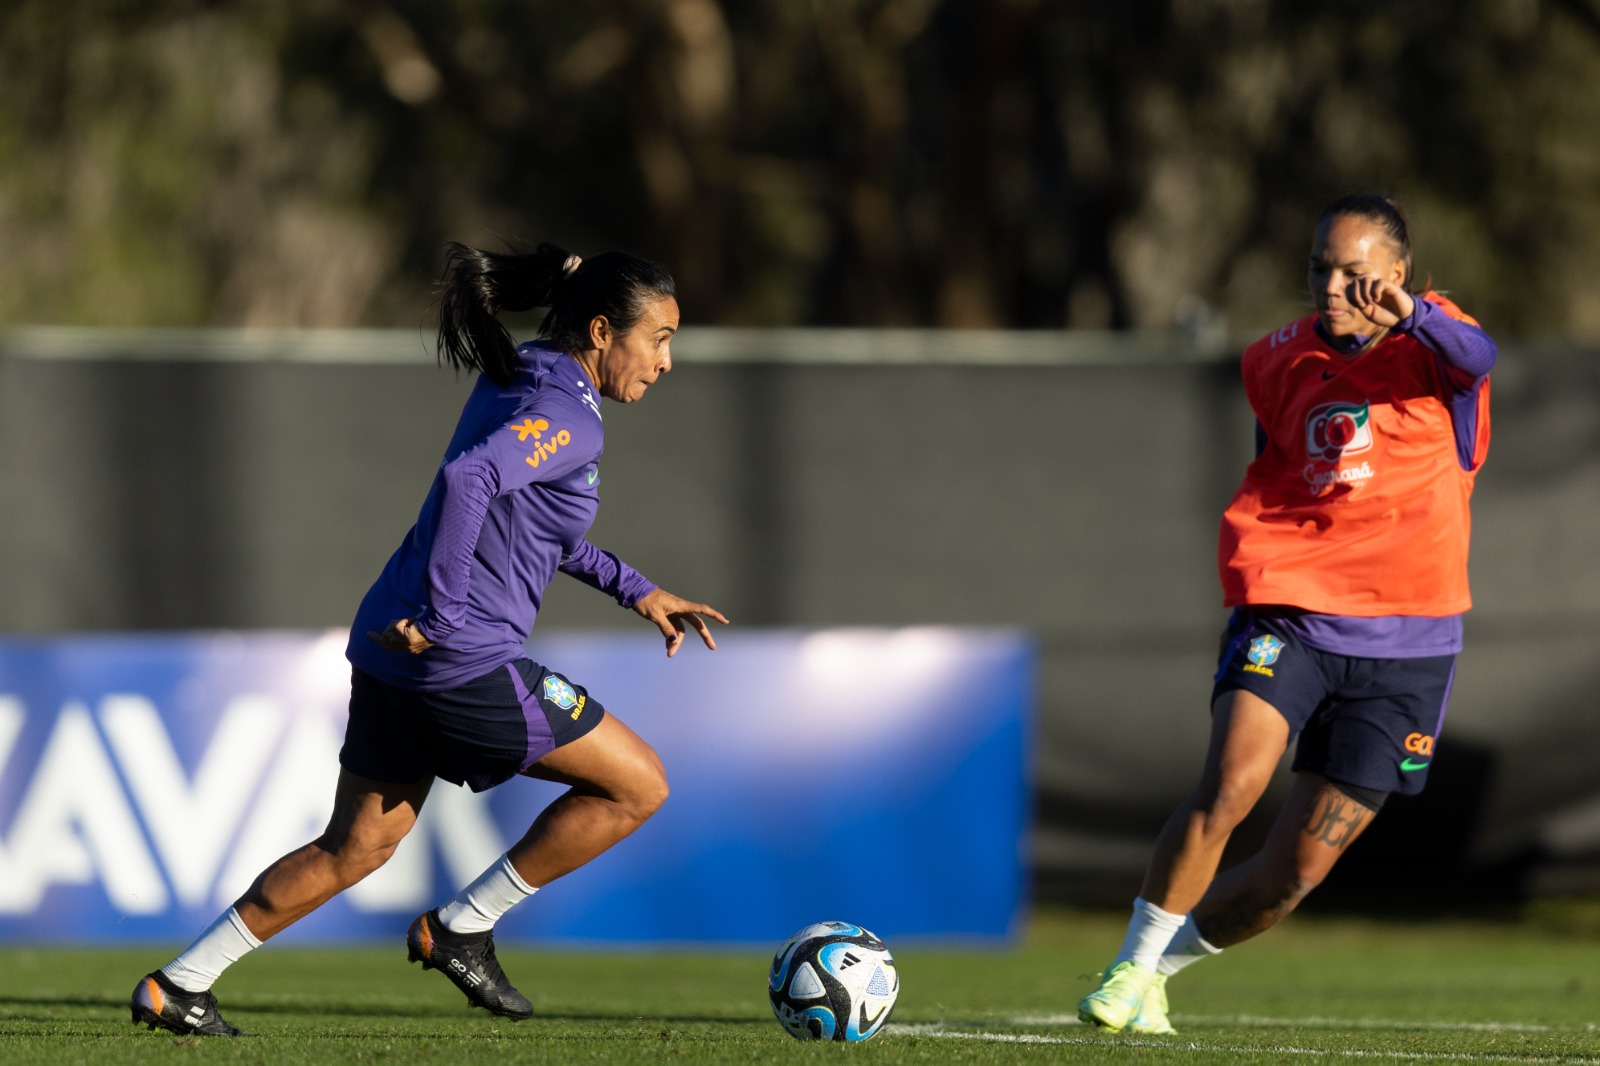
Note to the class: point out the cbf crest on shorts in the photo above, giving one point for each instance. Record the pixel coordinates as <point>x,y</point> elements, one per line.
<point>559,692</point>
<point>1262,653</point>
<point>1264,650</point>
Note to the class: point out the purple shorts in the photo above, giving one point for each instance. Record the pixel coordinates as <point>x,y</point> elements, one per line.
<point>479,734</point>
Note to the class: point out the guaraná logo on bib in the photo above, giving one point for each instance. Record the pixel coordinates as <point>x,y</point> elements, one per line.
<point>1335,430</point>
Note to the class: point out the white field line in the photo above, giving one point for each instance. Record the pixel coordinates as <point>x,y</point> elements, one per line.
<point>1259,1021</point>
<point>941,1033</point>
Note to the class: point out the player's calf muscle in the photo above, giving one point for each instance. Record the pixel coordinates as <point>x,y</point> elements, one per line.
<point>1251,913</point>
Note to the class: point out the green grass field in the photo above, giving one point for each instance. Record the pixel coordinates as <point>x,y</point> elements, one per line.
<point>1311,991</point>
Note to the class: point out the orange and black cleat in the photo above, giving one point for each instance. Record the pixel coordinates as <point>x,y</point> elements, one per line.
<point>468,960</point>
<point>160,1004</point>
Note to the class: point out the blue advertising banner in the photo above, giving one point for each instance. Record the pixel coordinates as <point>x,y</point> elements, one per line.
<point>875,776</point>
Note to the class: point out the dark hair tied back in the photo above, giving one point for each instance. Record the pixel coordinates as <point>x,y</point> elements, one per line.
<point>478,285</point>
<point>1383,212</point>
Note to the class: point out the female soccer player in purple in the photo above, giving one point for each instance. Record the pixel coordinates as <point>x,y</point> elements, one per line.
<point>441,684</point>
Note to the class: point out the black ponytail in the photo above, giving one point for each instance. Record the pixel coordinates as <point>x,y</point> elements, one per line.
<point>1383,212</point>
<point>477,285</point>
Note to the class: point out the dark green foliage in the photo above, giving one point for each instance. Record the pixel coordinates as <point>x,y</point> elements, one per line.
<point>848,162</point>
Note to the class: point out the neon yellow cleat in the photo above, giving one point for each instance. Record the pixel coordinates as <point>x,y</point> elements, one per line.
<point>1152,1017</point>
<point>1116,1001</point>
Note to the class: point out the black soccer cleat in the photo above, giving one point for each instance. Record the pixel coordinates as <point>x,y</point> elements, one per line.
<point>160,1004</point>
<point>468,960</point>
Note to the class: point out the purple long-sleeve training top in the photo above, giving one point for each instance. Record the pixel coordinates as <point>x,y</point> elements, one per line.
<point>1466,354</point>
<point>511,504</point>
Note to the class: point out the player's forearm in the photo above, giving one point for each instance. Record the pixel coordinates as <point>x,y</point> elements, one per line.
<point>604,571</point>
<point>464,503</point>
<point>1464,347</point>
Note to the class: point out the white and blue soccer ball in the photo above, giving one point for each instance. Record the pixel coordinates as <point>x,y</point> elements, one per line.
<point>833,981</point>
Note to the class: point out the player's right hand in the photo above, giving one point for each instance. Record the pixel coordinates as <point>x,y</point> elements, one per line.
<point>1382,302</point>
<point>402,635</point>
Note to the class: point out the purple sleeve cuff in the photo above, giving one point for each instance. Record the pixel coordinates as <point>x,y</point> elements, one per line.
<point>424,625</point>
<point>604,571</point>
<point>1462,347</point>
<point>635,588</point>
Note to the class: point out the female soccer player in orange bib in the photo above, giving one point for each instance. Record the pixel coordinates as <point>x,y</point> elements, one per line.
<point>1344,556</point>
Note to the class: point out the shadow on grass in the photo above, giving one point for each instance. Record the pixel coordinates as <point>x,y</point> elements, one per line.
<point>14,1005</point>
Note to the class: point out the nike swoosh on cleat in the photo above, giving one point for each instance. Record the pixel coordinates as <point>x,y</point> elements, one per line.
<point>1408,766</point>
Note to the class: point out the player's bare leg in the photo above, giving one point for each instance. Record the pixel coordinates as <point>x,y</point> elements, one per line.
<point>617,784</point>
<point>369,820</point>
<point>1248,737</point>
<point>1317,823</point>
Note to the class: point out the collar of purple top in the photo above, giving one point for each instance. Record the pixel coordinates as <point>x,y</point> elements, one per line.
<point>1344,345</point>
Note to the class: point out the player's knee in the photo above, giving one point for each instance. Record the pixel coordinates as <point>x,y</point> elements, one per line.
<point>648,792</point>
<point>369,860</point>
<point>1225,804</point>
<point>358,854</point>
<point>644,788</point>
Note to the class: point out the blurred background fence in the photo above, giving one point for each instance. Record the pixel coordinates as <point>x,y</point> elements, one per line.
<point>1065,483</point>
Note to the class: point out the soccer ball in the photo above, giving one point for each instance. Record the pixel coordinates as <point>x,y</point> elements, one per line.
<point>833,981</point>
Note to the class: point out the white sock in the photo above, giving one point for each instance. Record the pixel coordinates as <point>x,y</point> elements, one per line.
<point>1150,930</point>
<point>478,906</point>
<point>1187,948</point>
<point>224,943</point>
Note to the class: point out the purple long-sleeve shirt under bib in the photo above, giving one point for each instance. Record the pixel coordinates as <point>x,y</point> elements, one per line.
<point>511,504</point>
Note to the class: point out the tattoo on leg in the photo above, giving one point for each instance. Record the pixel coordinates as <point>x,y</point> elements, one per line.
<point>1336,820</point>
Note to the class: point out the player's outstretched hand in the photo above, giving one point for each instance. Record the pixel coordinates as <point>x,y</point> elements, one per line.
<point>402,635</point>
<point>1382,302</point>
<point>670,613</point>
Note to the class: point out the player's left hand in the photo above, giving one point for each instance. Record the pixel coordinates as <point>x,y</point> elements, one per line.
<point>670,613</point>
<point>1383,303</point>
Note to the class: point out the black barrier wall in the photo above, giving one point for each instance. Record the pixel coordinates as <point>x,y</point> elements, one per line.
<point>1079,502</point>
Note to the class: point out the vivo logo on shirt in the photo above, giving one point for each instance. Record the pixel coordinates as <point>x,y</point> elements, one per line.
<point>542,448</point>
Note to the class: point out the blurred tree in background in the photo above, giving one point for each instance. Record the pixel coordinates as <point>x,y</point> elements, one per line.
<point>877,162</point>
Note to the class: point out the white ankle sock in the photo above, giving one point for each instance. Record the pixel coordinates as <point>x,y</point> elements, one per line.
<point>1187,948</point>
<point>1149,932</point>
<point>478,906</point>
<point>224,943</point>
